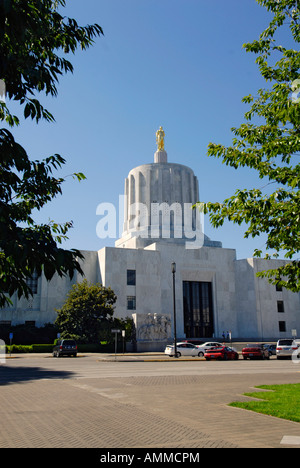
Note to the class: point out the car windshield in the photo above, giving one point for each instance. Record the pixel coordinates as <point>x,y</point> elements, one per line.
<point>217,348</point>
<point>69,342</point>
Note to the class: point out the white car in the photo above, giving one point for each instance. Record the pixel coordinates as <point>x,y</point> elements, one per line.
<point>207,346</point>
<point>285,348</point>
<point>183,349</point>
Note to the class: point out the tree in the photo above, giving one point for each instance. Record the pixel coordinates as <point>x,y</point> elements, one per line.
<point>271,146</point>
<point>87,312</point>
<point>32,35</point>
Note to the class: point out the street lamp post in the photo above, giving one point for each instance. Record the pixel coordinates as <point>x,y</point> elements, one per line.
<point>174,309</point>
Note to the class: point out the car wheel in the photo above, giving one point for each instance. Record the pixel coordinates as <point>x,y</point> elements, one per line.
<point>201,354</point>
<point>178,354</point>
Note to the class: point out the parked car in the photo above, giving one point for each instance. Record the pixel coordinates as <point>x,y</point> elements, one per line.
<point>255,351</point>
<point>65,348</point>
<point>183,349</point>
<point>222,352</point>
<point>285,348</point>
<point>271,349</point>
<point>206,346</point>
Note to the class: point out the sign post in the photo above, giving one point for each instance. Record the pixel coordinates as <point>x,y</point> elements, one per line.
<point>123,335</point>
<point>11,335</point>
<point>230,338</point>
<point>116,331</point>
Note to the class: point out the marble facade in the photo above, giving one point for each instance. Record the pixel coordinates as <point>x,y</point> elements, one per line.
<point>155,234</point>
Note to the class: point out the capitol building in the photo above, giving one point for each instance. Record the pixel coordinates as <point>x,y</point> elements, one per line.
<point>163,245</point>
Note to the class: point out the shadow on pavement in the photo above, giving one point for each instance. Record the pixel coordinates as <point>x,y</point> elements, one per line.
<point>10,375</point>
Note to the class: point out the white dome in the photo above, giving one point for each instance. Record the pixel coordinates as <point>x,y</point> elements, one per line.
<point>158,203</point>
<point>158,186</point>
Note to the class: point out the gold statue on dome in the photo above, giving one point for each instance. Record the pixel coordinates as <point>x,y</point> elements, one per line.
<point>160,139</point>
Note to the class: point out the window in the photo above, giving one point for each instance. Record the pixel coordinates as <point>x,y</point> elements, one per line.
<point>198,309</point>
<point>280,306</point>
<point>131,277</point>
<point>282,327</point>
<point>32,283</point>
<point>285,342</point>
<point>131,302</point>
<point>278,288</point>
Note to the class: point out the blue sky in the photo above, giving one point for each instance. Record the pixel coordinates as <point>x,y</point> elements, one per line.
<point>175,63</point>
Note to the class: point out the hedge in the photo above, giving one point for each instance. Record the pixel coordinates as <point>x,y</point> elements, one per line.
<point>34,348</point>
<point>47,348</point>
<point>19,349</point>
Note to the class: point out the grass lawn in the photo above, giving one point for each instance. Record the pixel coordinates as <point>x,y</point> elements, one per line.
<point>283,401</point>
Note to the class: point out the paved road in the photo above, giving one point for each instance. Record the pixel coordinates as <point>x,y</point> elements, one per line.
<point>95,401</point>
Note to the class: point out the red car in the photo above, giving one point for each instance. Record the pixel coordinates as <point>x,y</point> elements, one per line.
<point>222,352</point>
<point>255,351</point>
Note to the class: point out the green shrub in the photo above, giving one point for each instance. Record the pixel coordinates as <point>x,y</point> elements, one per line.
<point>19,349</point>
<point>89,348</point>
<point>47,348</point>
<point>35,348</point>
<point>42,348</point>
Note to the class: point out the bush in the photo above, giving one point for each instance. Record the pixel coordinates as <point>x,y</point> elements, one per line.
<point>19,349</point>
<point>35,348</point>
<point>42,348</point>
<point>89,348</point>
<point>82,348</point>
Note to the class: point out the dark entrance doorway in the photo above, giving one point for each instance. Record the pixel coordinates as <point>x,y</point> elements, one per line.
<point>198,309</point>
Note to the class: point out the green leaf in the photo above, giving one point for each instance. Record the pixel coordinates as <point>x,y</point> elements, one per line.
<point>270,145</point>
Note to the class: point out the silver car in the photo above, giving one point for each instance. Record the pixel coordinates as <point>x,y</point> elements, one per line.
<point>285,348</point>
<point>183,349</point>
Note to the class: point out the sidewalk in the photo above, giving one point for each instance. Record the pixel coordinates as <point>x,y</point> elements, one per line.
<point>152,410</point>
